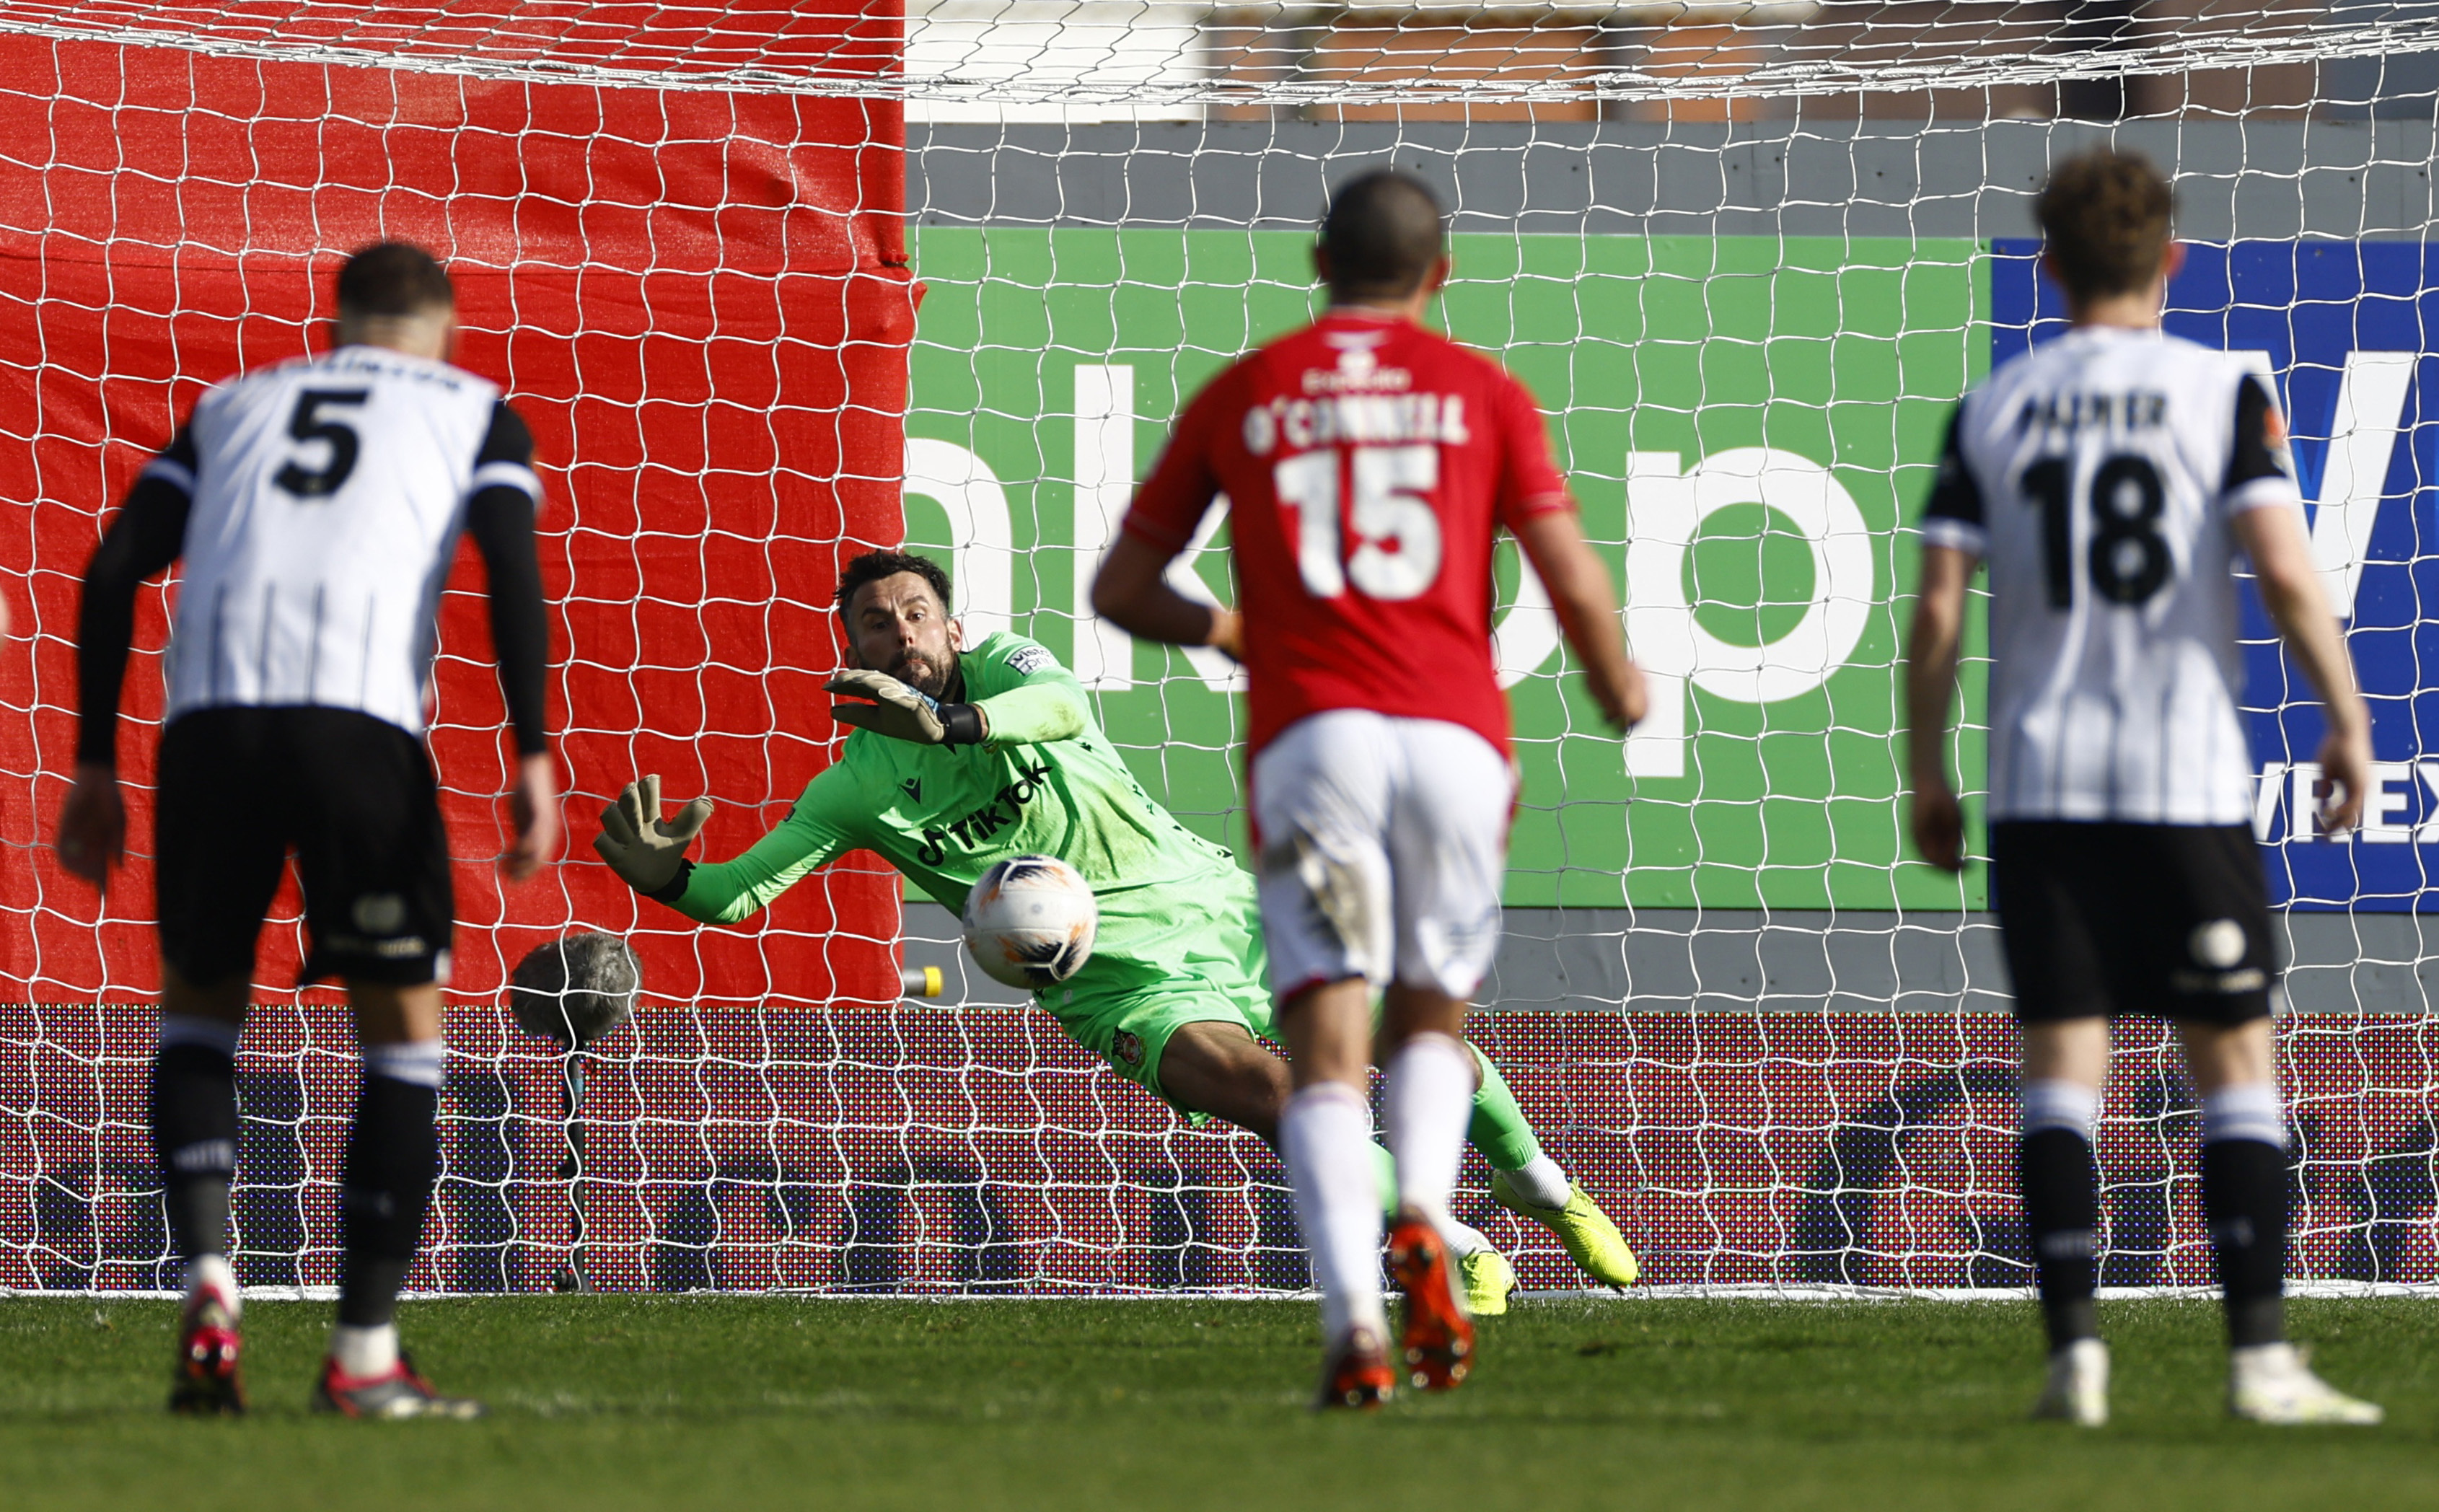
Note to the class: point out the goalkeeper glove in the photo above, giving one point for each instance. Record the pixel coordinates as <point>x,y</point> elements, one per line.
<point>647,852</point>
<point>903,713</point>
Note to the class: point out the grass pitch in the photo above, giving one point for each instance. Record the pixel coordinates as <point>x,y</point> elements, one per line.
<point>663,1403</point>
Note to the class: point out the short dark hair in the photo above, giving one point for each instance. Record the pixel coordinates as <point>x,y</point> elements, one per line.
<point>394,278</point>
<point>874,566</point>
<point>1382,234</point>
<point>2105,219</point>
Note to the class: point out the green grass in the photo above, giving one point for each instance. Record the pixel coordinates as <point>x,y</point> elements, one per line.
<point>604,1402</point>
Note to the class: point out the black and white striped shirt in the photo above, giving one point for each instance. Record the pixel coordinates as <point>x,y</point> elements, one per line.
<point>316,507</point>
<point>2098,476</point>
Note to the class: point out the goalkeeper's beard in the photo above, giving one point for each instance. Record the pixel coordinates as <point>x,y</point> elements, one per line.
<point>918,671</point>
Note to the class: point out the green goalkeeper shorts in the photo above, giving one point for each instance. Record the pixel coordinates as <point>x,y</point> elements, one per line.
<point>1215,972</point>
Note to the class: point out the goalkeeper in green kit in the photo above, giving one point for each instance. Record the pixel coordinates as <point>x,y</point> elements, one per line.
<point>966,757</point>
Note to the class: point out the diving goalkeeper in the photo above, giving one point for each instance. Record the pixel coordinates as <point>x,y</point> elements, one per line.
<point>966,757</point>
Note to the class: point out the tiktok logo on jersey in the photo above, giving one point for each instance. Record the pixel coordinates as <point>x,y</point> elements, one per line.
<point>2336,331</point>
<point>976,828</point>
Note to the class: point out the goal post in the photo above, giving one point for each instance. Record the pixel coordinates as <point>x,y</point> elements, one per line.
<point>1747,256</point>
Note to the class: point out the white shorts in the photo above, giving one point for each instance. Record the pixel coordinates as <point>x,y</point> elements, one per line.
<point>1383,845</point>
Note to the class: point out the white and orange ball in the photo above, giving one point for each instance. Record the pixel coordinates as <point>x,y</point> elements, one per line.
<point>1030,921</point>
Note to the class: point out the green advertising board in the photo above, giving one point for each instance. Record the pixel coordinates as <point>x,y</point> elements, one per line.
<point>1746,422</point>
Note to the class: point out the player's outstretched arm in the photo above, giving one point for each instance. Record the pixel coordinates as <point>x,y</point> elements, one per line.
<point>1047,706</point>
<point>1133,593</point>
<point>902,712</point>
<point>147,536</point>
<point>1586,603</point>
<point>649,852</point>
<point>1930,687</point>
<point>646,851</point>
<point>2274,537</point>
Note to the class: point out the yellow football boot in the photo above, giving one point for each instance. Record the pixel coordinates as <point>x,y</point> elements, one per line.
<point>1488,1279</point>
<point>1592,1240</point>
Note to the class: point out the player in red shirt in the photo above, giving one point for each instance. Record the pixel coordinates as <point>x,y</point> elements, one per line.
<point>1369,464</point>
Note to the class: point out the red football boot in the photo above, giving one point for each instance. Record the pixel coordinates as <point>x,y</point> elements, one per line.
<point>1356,1374</point>
<point>206,1381</point>
<point>1439,1341</point>
<point>400,1394</point>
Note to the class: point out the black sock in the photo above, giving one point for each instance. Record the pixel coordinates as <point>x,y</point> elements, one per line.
<point>2061,1211</point>
<point>194,1139</point>
<point>2244,1199</point>
<point>393,1159</point>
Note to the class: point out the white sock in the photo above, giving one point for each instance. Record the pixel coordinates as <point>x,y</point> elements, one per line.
<point>417,1062</point>
<point>1461,1240</point>
<point>363,1352</point>
<point>1540,1183</point>
<point>1324,1137</point>
<point>2067,1105</point>
<point>213,1273</point>
<point>1428,1100</point>
<point>2248,1111</point>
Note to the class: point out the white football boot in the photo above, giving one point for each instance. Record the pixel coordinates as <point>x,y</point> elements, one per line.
<point>2270,1383</point>
<point>2077,1390</point>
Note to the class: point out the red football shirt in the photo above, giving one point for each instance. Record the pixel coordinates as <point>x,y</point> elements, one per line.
<point>1368,463</point>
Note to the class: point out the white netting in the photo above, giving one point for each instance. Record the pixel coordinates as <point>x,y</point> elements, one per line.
<point>1747,255</point>
<point>1137,54</point>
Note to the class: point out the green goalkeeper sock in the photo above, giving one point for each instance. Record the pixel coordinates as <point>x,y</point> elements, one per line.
<point>1498,1128</point>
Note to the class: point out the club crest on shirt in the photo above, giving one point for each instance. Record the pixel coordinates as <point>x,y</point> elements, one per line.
<point>1129,1049</point>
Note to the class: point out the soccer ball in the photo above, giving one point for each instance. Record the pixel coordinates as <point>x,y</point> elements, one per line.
<point>576,988</point>
<point>1030,921</point>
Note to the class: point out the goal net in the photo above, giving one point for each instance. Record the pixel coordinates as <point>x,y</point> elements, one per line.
<point>1746,255</point>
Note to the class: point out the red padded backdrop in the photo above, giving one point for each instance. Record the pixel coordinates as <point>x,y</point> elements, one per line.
<point>698,300</point>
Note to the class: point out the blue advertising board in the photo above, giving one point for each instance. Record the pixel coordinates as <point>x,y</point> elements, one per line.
<point>2342,328</point>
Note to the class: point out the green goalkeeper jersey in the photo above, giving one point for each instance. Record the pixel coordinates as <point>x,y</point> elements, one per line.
<point>1046,783</point>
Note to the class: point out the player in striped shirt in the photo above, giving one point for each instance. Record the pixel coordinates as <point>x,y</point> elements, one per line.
<point>2112,479</point>
<point>315,507</point>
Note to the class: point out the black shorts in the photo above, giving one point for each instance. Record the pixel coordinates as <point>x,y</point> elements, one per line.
<point>354,796</point>
<point>2101,920</point>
